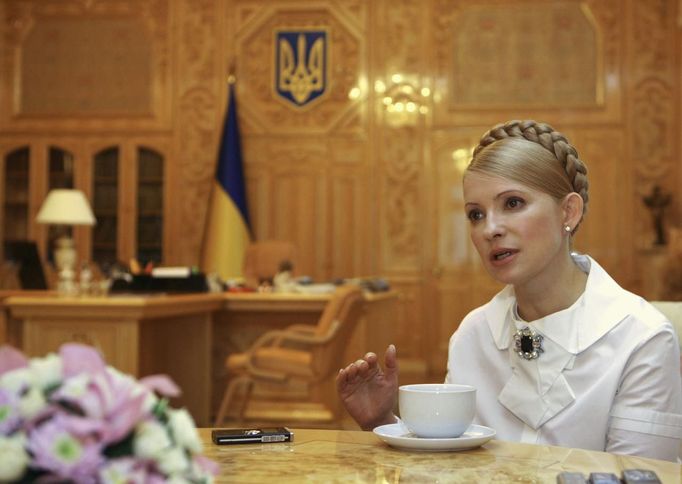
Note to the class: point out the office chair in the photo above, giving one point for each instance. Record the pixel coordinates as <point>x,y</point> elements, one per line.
<point>299,353</point>
<point>262,260</point>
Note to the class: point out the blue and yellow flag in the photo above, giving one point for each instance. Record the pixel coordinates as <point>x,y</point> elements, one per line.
<point>228,230</point>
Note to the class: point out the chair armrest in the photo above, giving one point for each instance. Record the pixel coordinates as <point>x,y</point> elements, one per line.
<point>278,338</point>
<point>301,328</point>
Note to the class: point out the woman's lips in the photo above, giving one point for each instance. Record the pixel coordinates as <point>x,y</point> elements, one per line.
<point>501,257</point>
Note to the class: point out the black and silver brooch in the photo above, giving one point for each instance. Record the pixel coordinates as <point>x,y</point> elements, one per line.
<point>528,344</point>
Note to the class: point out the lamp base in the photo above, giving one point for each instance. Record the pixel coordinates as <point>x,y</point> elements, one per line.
<point>65,259</point>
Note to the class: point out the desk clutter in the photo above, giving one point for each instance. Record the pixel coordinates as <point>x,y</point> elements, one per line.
<point>630,476</point>
<point>149,284</point>
<point>283,282</point>
<point>151,280</point>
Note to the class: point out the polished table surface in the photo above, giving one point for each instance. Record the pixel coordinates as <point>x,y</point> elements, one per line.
<point>355,456</point>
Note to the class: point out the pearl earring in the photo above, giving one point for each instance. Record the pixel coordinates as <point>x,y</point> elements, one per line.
<point>567,228</point>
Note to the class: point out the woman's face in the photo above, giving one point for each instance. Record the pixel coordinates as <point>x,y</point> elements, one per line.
<point>517,230</point>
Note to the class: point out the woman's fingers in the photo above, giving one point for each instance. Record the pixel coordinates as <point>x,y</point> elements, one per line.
<point>361,369</point>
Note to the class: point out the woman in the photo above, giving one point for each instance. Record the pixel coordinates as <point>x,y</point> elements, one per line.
<point>562,355</point>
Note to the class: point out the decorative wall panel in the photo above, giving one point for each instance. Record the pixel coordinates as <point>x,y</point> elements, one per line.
<point>91,65</point>
<point>258,57</point>
<point>488,69</point>
<point>63,59</point>
<point>515,55</point>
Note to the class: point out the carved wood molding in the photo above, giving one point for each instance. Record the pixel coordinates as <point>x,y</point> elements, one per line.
<point>401,163</point>
<point>200,107</point>
<point>653,115</point>
<point>653,112</point>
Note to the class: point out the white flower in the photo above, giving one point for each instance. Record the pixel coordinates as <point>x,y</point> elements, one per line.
<point>151,438</point>
<point>75,387</point>
<point>13,458</point>
<point>183,429</point>
<point>173,461</point>
<point>122,471</point>
<point>46,371</point>
<point>32,403</point>
<point>150,401</point>
<point>16,381</point>
<point>177,480</point>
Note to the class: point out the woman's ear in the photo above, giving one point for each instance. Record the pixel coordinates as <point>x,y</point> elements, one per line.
<point>572,207</point>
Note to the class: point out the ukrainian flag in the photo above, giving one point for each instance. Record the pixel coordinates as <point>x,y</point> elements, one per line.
<point>228,230</point>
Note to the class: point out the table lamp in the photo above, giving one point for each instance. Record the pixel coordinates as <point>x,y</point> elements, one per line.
<point>65,207</point>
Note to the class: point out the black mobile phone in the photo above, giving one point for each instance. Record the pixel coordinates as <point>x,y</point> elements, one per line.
<point>250,436</point>
<point>640,476</point>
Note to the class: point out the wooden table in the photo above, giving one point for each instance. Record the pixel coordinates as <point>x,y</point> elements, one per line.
<point>139,335</point>
<point>354,456</point>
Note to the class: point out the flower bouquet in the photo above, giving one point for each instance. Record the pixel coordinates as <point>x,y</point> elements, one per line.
<point>70,417</point>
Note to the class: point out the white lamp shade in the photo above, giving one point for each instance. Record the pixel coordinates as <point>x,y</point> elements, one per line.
<point>66,207</point>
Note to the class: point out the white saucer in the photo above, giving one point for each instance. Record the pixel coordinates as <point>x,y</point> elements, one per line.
<point>396,435</point>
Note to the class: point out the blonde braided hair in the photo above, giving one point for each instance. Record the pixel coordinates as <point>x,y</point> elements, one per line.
<point>534,154</point>
<point>550,139</point>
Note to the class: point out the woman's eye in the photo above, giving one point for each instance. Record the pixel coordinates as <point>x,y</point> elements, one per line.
<point>514,202</point>
<point>474,215</point>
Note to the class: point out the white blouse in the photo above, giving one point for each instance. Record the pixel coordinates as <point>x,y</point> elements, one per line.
<point>608,378</point>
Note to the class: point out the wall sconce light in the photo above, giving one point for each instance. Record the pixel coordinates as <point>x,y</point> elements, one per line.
<point>404,101</point>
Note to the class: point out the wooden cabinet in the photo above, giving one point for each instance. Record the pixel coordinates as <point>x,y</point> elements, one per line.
<point>125,181</point>
<point>15,206</point>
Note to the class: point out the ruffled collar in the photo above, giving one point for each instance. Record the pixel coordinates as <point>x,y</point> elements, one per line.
<point>537,389</point>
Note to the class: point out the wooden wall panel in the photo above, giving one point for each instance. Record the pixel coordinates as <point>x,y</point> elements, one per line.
<point>347,224</point>
<point>366,179</point>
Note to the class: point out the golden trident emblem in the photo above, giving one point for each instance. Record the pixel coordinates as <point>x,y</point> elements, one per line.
<point>296,76</point>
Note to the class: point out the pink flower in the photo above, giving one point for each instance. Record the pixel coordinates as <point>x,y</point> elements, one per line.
<point>161,384</point>
<point>64,448</point>
<point>78,359</point>
<point>113,398</point>
<point>11,359</point>
<point>69,417</point>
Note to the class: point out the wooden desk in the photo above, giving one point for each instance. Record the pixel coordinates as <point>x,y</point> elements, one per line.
<point>354,456</point>
<point>139,335</point>
<point>185,336</point>
<point>9,332</point>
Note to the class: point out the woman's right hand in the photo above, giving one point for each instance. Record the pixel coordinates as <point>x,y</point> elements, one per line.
<point>368,392</point>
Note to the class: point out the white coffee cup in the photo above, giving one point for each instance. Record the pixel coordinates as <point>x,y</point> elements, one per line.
<point>437,410</point>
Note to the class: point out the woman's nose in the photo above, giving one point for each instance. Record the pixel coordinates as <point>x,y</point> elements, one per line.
<point>494,227</point>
